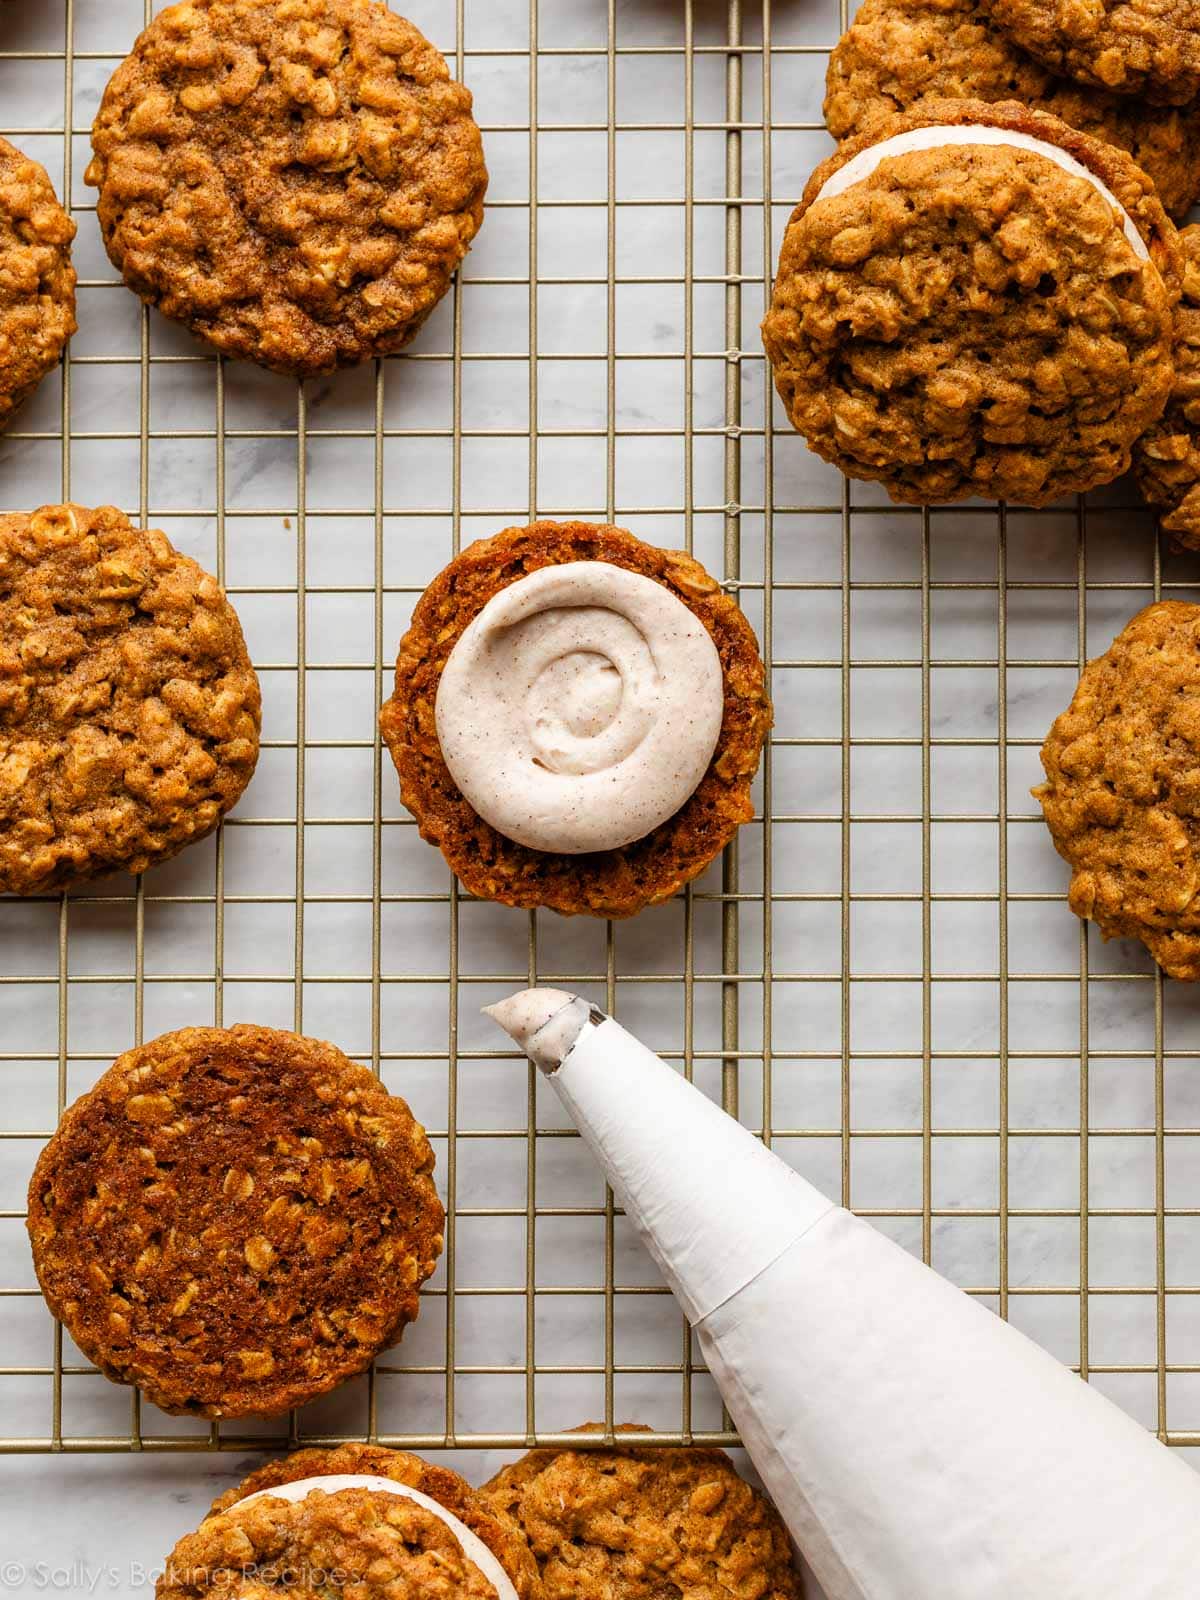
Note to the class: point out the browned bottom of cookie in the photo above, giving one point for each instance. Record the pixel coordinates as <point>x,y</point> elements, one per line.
<point>610,883</point>
<point>236,1220</point>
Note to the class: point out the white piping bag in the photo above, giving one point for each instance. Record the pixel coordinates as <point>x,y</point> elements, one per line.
<point>917,1446</point>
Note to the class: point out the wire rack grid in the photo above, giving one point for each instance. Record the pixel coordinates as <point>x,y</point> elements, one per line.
<point>881,977</point>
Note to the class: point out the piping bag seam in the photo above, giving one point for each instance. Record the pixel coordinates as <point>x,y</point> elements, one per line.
<point>809,1226</point>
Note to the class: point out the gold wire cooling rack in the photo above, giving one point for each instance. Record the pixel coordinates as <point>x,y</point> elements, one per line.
<point>882,977</point>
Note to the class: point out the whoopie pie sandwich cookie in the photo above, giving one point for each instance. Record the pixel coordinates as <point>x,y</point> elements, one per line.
<point>236,1220</point>
<point>643,1524</point>
<point>361,1522</point>
<point>976,300</point>
<point>436,1488</point>
<point>129,710</point>
<point>37,280</point>
<point>577,718</point>
<point>1122,790</point>
<point>898,53</point>
<point>295,180</point>
<point>1148,47</point>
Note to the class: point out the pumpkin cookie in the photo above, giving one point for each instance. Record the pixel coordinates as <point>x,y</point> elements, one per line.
<point>453,1493</point>
<point>37,280</point>
<point>1122,790</point>
<point>295,180</point>
<point>1167,457</point>
<point>642,1524</point>
<point>577,718</point>
<point>129,711</point>
<point>1129,46</point>
<point>236,1220</point>
<point>976,300</point>
<point>900,52</point>
<point>368,1542</point>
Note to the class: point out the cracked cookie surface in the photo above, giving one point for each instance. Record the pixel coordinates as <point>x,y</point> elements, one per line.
<point>1122,790</point>
<point>973,320</point>
<point>899,52</point>
<point>1148,47</point>
<point>129,711</point>
<point>441,1484</point>
<point>236,1220</point>
<point>643,1524</point>
<point>37,280</point>
<point>295,180</point>
<point>360,1542</point>
<point>608,883</point>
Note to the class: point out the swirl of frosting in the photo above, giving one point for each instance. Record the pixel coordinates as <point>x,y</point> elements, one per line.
<point>580,708</point>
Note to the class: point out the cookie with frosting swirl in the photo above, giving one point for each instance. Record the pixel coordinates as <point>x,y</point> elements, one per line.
<point>577,718</point>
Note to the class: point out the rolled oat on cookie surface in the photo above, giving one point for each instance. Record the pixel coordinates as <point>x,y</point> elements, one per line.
<point>439,1483</point>
<point>976,300</point>
<point>1147,48</point>
<point>1122,790</point>
<point>129,710</point>
<point>1167,456</point>
<point>236,1220</point>
<point>37,280</point>
<point>897,53</point>
<point>295,180</point>
<point>640,1523</point>
<point>366,1543</point>
<point>581,727</point>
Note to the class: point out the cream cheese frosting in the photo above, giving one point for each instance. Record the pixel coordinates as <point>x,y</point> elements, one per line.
<point>861,166</point>
<point>471,1544</point>
<point>581,707</point>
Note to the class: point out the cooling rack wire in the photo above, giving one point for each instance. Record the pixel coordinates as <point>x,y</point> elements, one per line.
<point>882,976</point>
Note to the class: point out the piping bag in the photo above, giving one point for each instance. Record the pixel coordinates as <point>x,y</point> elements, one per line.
<point>917,1447</point>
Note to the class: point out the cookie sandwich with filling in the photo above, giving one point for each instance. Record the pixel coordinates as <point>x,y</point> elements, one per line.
<point>358,1520</point>
<point>577,718</point>
<point>976,300</point>
<point>897,53</point>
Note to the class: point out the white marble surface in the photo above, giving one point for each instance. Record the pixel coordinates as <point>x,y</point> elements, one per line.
<point>92,1518</point>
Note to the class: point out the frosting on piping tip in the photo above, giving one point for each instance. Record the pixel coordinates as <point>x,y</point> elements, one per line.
<point>936,137</point>
<point>544,1023</point>
<point>580,708</point>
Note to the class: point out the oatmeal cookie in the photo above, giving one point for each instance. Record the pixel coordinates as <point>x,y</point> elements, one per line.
<point>296,180</point>
<point>129,711</point>
<point>356,1542</point>
<point>1167,457</point>
<point>1122,790</point>
<point>973,319</point>
<point>37,280</point>
<point>899,52</point>
<point>609,883</point>
<point>496,1530</point>
<point>236,1220</point>
<point>1147,47</point>
<point>646,1524</point>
